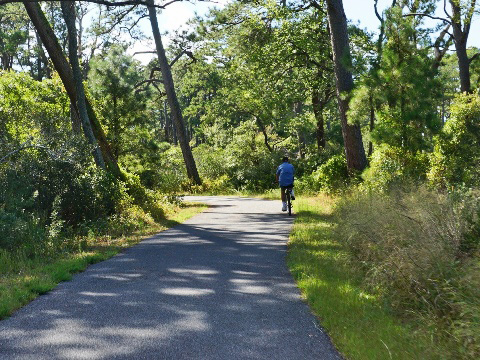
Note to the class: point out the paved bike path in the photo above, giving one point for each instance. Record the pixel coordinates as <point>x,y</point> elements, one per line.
<point>214,287</point>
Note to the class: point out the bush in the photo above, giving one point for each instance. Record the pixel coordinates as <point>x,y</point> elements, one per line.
<point>456,158</point>
<point>330,177</point>
<point>45,203</point>
<point>391,166</point>
<point>250,165</point>
<point>412,248</point>
<point>221,185</point>
<point>210,161</point>
<point>149,200</point>
<point>21,232</point>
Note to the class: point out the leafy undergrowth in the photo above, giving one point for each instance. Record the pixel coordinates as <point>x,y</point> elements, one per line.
<point>22,279</point>
<point>359,323</point>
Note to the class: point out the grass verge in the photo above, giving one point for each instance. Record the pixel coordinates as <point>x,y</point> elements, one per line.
<point>360,325</point>
<point>25,278</point>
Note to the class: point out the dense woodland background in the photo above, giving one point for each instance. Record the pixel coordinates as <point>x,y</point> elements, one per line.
<point>94,143</point>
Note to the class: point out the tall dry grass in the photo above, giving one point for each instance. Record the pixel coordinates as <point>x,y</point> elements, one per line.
<point>416,250</point>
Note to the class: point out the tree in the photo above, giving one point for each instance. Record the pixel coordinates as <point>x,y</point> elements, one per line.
<point>461,30</point>
<point>112,80</point>
<point>460,19</point>
<point>64,70</point>
<point>68,9</point>
<point>172,97</point>
<point>352,136</point>
<point>13,33</point>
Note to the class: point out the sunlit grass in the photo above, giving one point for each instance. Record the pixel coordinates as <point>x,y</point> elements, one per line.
<point>24,279</point>
<point>360,325</point>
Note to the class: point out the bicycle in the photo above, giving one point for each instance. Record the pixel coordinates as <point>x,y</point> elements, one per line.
<point>288,196</point>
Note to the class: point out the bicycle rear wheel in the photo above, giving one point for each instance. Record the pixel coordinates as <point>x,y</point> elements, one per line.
<point>289,202</point>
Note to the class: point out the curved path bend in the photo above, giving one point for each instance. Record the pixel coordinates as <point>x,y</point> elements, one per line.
<point>214,287</point>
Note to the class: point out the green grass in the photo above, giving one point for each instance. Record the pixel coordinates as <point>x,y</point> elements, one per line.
<point>360,325</point>
<point>25,279</point>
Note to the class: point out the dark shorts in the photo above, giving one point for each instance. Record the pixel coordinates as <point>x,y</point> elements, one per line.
<point>286,187</point>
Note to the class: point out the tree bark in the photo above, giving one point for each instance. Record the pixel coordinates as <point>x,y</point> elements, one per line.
<point>167,122</point>
<point>76,123</point>
<point>460,37</point>
<point>64,70</point>
<point>68,10</point>
<point>318,112</point>
<point>298,108</point>
<point>176,112</point>
<point>352,136</point>
<point>372,124</point>
<point>264,132</point>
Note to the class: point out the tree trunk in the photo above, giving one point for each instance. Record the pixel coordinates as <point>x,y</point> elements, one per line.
<point>192,171</point>
<point>46,69</point>
<point>174,134</point>
<point>76,123</point>
<point>318,111</point>
<point>372,124</point>
<point>68,10</point>
<point>167,122</point>
<point>264,132</point>
<point>463,65</point>
<point>64,70</point>
<point>298,108</point>
<point>460,38</point>
<point>352,136</point>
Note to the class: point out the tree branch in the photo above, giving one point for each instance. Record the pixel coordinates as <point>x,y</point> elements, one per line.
<point>31,146</point>
<point>429,16</point>
<point>105,2</point>
<point>474,57</point>
<point>148,81</point>
<point>468,18</point>
<point>375,6</point>
<point>144,52</point>
<point>152,72</point>
<point>445,9</point>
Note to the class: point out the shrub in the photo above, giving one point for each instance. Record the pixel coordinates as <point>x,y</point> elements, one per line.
<point>220,185</point>
<point>210,161</point>
<point>249,164</point>
<point>21,232</point>
<point>391,166</point>
<point>456,158</point>
<point>149,200</point>
<point>331,176</point>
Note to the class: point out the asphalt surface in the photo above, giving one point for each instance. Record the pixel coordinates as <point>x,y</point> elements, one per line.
<point>215,287</point>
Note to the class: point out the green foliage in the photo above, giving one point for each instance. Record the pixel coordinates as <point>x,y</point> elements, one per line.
<point>121,109</point>
<point>391,166</point>
<point>456,158</point>
<point>330,177</point>
<point>31,110</point>
<point>333,175</point>
<point>249,164</point>
<point>14,28</point>
<point>401,90</point>
<point>50,192</point>
<point>163,172</point>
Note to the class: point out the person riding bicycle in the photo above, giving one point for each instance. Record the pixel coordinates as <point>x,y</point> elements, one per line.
<point>285,179</point>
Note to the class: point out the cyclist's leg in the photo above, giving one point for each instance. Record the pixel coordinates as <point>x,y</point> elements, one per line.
<point>284,198</point>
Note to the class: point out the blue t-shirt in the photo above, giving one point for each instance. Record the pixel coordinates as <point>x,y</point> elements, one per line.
<point>285,174</point>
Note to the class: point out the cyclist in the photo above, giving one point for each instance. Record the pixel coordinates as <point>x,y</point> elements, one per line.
<point>285,179</point>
